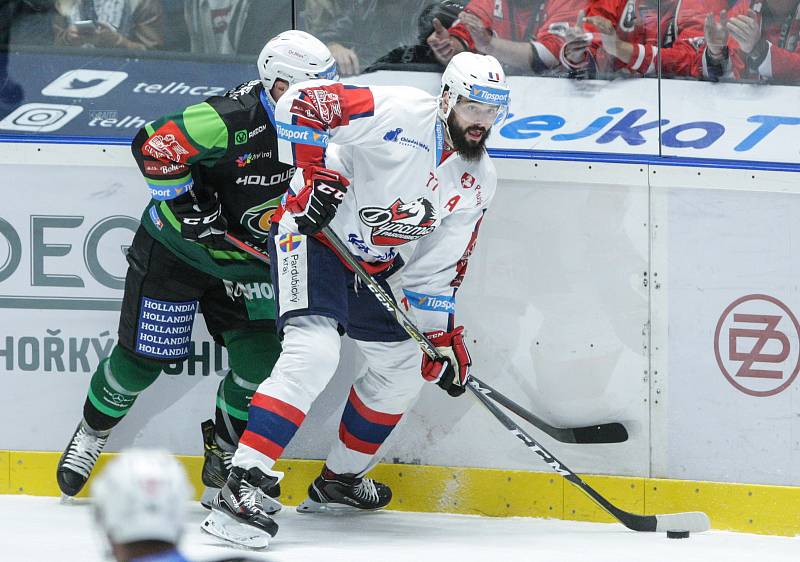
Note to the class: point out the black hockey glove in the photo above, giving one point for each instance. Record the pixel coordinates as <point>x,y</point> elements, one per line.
<point>315,205</point>
<point>203,225</point>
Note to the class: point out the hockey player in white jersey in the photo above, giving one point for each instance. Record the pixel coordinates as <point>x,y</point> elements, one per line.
<point>404,182</point>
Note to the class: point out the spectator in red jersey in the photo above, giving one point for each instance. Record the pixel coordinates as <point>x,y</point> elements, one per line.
<point>541,36</point>
<point>763,40</point>
<point>634,32</point>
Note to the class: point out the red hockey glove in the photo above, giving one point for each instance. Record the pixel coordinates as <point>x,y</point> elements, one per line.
<point>315,205</point>
<point>450,374</point>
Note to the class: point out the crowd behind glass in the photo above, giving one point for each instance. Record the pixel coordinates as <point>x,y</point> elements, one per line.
<point>714,40</point>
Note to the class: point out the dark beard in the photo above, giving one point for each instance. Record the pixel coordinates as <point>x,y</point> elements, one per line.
<point>469,150</point>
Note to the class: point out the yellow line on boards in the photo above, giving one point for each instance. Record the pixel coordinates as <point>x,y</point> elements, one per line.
<point>772,510</point>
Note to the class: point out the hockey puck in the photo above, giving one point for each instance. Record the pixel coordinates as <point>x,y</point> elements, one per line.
<point>677,534</point>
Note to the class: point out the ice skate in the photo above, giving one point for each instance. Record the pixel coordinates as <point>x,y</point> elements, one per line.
<point>237,515</point>
<point>344,493</point>
<point>79,458</point>
<point>217,468</point>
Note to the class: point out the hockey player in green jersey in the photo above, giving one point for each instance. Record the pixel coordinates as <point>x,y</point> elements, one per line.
<point>211,168</point>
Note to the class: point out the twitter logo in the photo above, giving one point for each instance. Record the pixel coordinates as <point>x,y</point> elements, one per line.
<point>84,83</point>
<point>78,84</point>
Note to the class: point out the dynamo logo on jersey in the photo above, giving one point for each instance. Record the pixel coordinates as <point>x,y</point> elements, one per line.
<point>301,135</point>
<point>485,94</point>
<point>436,303</point>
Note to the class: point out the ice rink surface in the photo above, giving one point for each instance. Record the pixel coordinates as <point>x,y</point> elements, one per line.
<point>43,529</point>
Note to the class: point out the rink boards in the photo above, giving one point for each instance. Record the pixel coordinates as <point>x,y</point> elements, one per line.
<point>663,297</point>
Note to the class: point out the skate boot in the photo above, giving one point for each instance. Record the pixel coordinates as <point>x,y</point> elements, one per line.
<point>217,466</point>
<point>237,515</point>
<point>332,492</point>
<point>79,458</point>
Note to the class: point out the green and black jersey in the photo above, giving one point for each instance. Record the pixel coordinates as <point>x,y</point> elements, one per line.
<point>226,146</point>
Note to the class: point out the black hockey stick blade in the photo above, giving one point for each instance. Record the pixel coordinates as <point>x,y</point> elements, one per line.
<point>603,433</point>
<point>613,432</point>
<point>692,521</point>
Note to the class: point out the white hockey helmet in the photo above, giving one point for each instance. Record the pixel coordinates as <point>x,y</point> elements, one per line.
<point>477,78</point>
<point>295,56</point>
<point>141,495</point>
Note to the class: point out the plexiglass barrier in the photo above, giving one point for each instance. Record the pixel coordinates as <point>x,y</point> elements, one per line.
<point>702,79</point>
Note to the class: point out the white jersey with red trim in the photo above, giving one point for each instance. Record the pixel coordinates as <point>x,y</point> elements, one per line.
<point>388,141</point>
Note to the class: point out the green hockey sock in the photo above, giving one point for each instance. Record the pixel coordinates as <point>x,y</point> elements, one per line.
<point>251,355</point>
<point>115,385</point>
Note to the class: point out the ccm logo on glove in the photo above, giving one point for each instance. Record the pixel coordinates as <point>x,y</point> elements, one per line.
<point>452,371</point>
<point>315,205</point>
<point>205,219</point>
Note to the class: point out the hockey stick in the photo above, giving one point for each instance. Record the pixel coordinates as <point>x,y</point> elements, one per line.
<point>694,521</point>
<point>244,245</point>
<point>250,247</point>
<point>603,433</point>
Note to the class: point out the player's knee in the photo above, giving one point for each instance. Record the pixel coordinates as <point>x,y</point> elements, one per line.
<point>311,347</point>
<point>252,354</point>
<point>313,341</point>
<point>393,358</point>
<point>133,372</point>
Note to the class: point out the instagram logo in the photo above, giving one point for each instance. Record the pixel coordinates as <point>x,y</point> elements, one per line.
<point>40,117</point>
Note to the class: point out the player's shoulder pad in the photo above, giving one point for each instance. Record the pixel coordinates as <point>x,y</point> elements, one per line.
<point>294,88</point>
<point>243,89</point>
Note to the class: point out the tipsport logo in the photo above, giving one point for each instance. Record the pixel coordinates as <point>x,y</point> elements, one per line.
<point>485,94</point>
<point>435,303</point>
<point>330,73</point>
<point>84,83</point>
<point>301,135</point>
